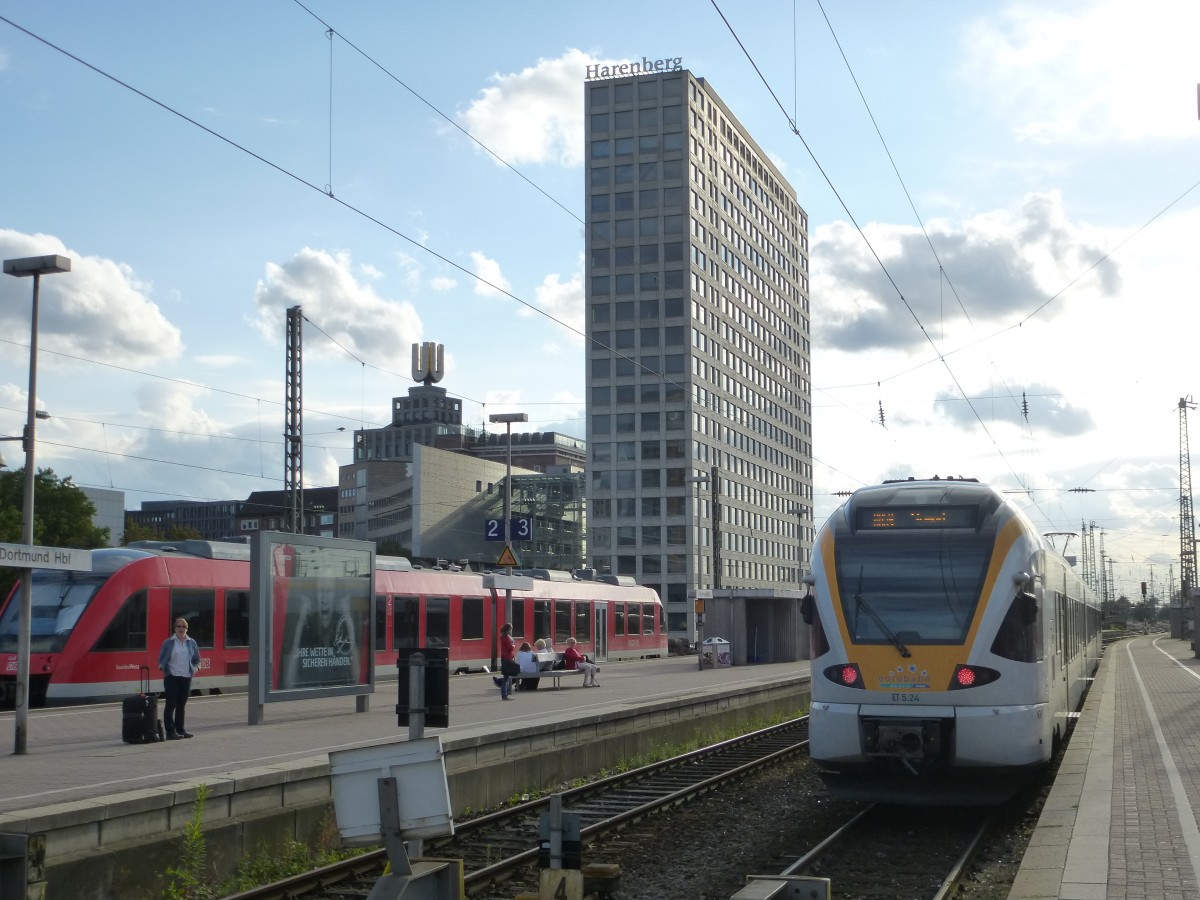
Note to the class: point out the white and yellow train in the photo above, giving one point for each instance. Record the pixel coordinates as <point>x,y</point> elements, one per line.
<point>950,644</point>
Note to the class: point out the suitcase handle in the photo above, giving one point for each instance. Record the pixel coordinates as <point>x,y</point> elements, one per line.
<point>144,679</point>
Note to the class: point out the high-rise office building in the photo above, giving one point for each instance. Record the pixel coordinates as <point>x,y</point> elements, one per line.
<point>699,426</point>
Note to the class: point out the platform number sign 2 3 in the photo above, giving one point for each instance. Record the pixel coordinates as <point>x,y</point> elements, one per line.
<point>520,528</point>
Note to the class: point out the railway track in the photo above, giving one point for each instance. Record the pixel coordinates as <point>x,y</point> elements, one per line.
<point>496,847</point>
<point>888,851</point>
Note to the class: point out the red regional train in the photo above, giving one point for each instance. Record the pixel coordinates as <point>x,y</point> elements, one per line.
<point>91,632</point>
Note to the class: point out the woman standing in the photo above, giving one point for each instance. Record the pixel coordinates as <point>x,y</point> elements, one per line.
<point>179,659</point>
<point>508,661</point>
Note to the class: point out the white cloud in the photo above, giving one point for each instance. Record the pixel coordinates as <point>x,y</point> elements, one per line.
<point>337,303</point>
<point>99,310</point>
<point>497,401</point>
<point>1120,70</point>
<point>442,283</point>
<point>535,115</point>
<point>171,407</point>
<point>490,281</point>
<point>999,266</point>
<point>563,300</point>
<point>218,361</point>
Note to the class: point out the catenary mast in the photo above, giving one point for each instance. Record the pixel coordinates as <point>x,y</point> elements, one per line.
<point>1187,523</point>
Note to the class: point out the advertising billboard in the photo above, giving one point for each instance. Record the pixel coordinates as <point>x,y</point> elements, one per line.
<point>312,601</point>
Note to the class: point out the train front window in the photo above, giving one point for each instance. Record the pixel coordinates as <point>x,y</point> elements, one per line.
<point>127,630</point>
<point>910,591</point>
<point>59,599</point>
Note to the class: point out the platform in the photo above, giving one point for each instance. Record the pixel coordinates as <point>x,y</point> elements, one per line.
<point>84,816</point>
<point>76,753</point>
<point>1120,821</point>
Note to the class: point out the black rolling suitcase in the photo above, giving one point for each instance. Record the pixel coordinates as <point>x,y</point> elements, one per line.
<point>139,715</point>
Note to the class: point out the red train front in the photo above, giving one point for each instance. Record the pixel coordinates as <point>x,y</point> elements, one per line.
<point>92,632</point>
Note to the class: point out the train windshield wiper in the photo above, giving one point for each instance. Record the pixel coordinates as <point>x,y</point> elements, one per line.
<point>887,632</point>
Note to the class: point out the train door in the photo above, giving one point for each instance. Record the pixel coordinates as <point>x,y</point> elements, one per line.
<point>600,629</point>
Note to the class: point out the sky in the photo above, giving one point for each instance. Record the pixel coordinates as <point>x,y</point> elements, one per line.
<point>1002,202</point>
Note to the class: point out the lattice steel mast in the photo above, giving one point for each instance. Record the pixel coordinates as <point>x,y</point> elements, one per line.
<point>1087,554</point>
<point>1187,523</point>
<point>293,427</point>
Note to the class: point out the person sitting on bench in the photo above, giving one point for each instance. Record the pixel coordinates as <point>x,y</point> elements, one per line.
<point>573,659</point>
<point>528,662</point>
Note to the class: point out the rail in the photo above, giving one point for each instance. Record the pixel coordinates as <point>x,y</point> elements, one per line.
<point>495,846</point>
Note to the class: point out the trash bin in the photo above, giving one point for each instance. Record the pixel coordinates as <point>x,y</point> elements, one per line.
<point>716,652</point>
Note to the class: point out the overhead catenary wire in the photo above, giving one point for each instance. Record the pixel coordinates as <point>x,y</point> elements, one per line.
<point>329,186</point>
<point>866,240</point>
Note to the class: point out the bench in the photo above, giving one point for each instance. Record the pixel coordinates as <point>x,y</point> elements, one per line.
<point>556,674</point>
<point>551,657</point>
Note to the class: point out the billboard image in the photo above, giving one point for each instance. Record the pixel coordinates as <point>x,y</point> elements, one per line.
<point>320,627</point>
<point>313,616</point>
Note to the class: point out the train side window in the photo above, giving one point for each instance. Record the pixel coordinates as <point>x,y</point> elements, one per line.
<point>516,618</point>
<point>237,619</point>
<point>1018,638</point>
<point>541,618</point>
<point>437,621</point>
<point>562,621</point>
<point>618,618</point>
<point>380,622</point>
<point>647,619</point>
<point>1062,627</point>
<point>583,621</point>
<point>197,607</point>
<point>472,618</point>
<point>127,630</point>
<point>406,623</point>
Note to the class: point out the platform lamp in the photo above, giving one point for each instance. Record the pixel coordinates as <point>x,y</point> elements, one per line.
<point>507,419</point>
<point>35,267</point>
<point>697,530</point>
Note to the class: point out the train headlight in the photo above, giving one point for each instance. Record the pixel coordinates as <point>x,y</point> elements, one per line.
<point>971,676</point>
<point>845,674</point>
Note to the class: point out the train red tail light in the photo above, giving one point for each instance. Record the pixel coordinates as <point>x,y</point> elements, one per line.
<point>845,674</point>
<point>971,676</point>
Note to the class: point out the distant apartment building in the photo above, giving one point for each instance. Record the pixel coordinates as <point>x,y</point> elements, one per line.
<point>267,511</point>
<point>437,507</point>
<point>214,520</point>
<point>426,485</point>
<point>233,520</point>
<point>698,359</point>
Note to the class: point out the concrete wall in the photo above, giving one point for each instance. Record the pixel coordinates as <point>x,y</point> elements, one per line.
<point>121,846</point>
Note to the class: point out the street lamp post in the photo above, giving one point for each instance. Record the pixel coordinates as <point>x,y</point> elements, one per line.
<point>508,419</point>
<point>798,512</point>
<point>699,559</point>
<point>25,267</point>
